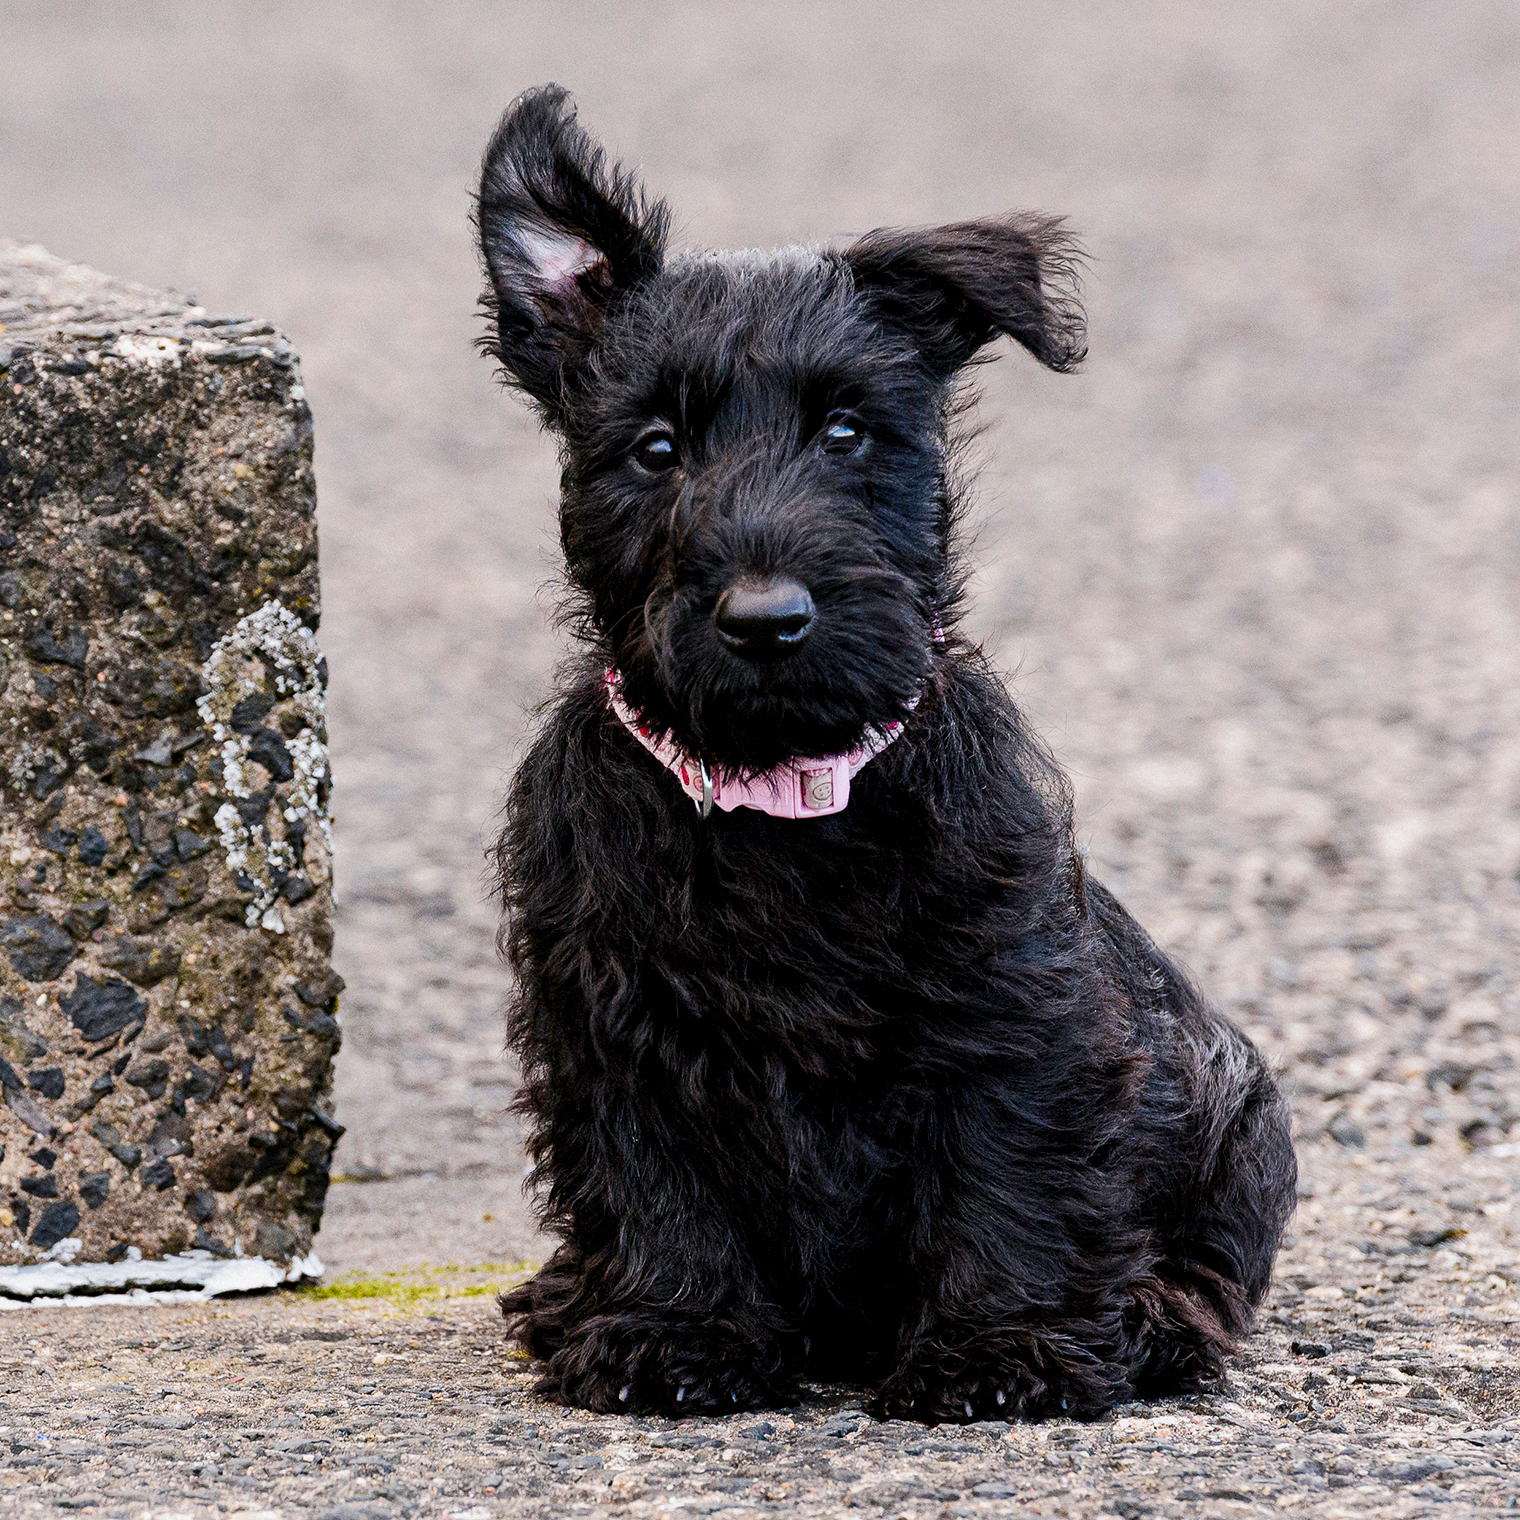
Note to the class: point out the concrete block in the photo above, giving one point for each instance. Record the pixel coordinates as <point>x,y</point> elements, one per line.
<point>168,1009</point>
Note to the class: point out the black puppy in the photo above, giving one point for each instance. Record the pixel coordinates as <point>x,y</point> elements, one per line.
<point>838,1064</point>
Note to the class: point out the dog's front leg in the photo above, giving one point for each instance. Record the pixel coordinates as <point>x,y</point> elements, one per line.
<point>1019,1265</point>
<point>954,1369</point>
<point>653,1303</point>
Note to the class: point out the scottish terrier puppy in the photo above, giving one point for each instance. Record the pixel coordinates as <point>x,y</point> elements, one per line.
<point>838,1063</point>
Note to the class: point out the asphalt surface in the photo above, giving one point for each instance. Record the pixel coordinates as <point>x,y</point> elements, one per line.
<point>1253,572</point>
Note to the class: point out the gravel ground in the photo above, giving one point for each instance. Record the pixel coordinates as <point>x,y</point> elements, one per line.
<point>1389,1402</point>
<point>1254,573</point>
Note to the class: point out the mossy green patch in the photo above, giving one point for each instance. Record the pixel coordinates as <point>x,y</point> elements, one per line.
<point>387,1286</point>
<point>404,1287</point>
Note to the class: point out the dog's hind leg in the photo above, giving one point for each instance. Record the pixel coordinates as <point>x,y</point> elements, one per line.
<point>1219,1172</point>
<point>1226,1219</point>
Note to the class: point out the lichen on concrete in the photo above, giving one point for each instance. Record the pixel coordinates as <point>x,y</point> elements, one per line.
<point>167,1003</point>
<point>269,646</point>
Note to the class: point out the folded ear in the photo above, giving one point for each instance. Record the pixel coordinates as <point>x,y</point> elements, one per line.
<point>955,288</point>
<point>562,235</point>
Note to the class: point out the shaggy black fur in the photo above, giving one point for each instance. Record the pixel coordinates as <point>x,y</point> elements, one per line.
<point>897,1094</point>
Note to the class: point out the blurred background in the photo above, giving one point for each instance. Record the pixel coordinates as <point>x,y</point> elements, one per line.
<point>1254,572</point>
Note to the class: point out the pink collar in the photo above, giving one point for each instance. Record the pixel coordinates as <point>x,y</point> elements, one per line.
<point>797,789</point>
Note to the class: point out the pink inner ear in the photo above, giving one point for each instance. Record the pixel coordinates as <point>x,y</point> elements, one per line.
<point>557,257</point>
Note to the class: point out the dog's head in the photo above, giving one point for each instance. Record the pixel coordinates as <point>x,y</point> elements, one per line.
<point>756,508</point>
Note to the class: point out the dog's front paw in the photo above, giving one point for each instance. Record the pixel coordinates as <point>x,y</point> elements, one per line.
<point>1017,1377</point>
<point>617,1369</point>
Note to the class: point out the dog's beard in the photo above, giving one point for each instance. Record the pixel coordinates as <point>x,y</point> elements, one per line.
<point>863,668</point>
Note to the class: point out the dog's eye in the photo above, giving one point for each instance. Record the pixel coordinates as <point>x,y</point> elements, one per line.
<point>842,435</point>
<point>656,452</point>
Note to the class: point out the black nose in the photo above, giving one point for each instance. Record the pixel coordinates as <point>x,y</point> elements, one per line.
<point>764,618</point>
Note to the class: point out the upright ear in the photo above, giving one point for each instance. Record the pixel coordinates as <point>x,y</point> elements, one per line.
<point>562,235</point>
<point>954,289</point>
